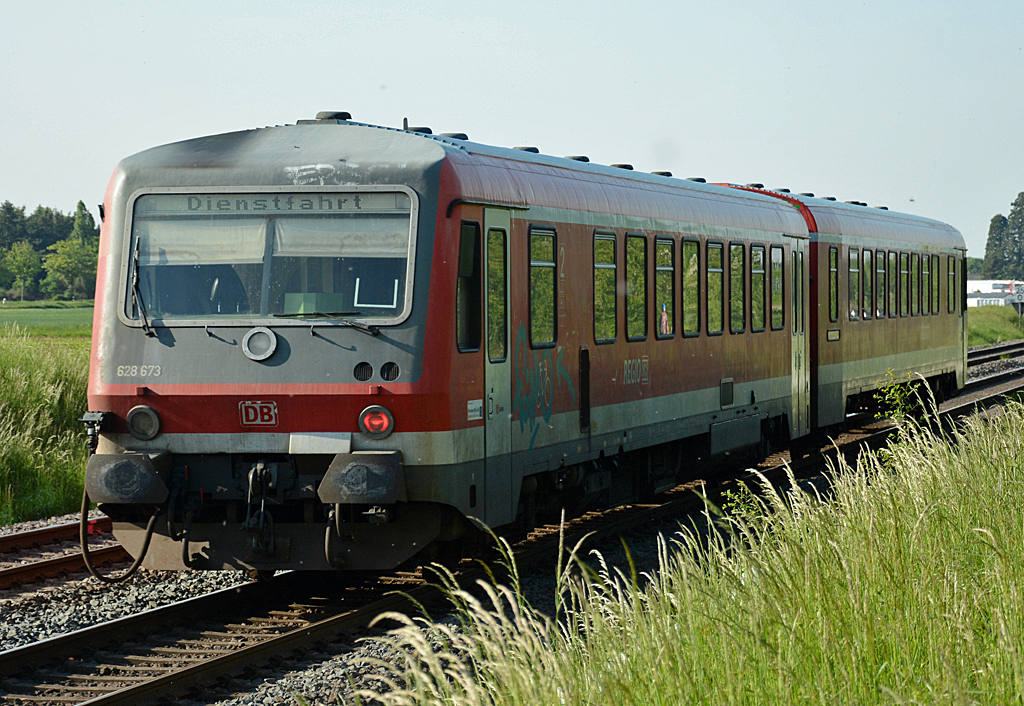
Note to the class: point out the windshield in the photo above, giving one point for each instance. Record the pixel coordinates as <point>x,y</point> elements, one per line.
<point>209,256</point>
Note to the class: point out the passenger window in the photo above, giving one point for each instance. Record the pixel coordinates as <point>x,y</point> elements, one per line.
<point>868,268</point>
<point>467,296</point>
<point>665,286</point>
<point>892,278</point>
<point>496,299</point>
<point>880,282</point>
<point>853,282</point>
<point>636,287</point>
<point>691,288</point>
<point>926,284</point>
<point>716,297</point>
<point>915,284</point>
<point>778,296</point>
<point>833,284</point>
<point>542,288</point>
<point>798,293</point>
<point>904,284</point>
<point>757,288</point>
<point>935,284</point>
<point>737,295</point>
<point>951,283</point>
<point>604,287</point>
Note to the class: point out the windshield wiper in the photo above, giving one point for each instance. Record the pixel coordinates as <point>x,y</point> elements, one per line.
<point>137,293</point>
<point>331,314</point>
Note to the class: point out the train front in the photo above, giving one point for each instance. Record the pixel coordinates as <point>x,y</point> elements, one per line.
<point>257,378</point>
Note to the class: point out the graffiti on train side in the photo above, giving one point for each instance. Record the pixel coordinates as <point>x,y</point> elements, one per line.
<point>540,375</point>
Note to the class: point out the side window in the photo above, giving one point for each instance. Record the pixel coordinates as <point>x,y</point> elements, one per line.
<point>904,284</point>
<point>926,284</point>
<point>757,283</point>
<point>880,282</point>
<point>951,283</point>
<point>833,284</point>
<point>665,286</point>
<point>797,293</point>
<point>542,288</point>
<point>935,284</point>
<point>737,293</point>
<point>868,268</point>
<point>716,297</point>
<point>777,282</point>
<point>691,288</point>
<point>604,287</point>
<point>892,277</point>
<point>853,282</point>
<point>915,284</point>
<point>636,287</point>
<point>467,290</point>
<point>496,300</point>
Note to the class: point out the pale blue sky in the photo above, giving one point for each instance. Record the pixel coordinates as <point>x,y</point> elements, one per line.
<point>915,105</point>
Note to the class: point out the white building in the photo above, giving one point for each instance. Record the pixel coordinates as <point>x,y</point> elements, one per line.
<point>988,292</point>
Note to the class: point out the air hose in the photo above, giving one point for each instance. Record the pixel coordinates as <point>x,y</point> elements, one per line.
<point>83,535</point>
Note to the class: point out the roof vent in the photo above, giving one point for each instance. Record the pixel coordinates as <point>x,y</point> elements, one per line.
<point>333,115</point>
<point>783,191</point>
<point>662,173</point>
<point>755,185</point>
<point>829,198</point>
<point>807,193</point>
<point>578,157</point>
<point>623,166</point>
<point>882,208</point>
<point>699,180</point>
<point>455,135</point>
<point>532,150</point>
<point>424,130</point>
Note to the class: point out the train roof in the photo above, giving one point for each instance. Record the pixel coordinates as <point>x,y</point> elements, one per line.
<point>343,152</point>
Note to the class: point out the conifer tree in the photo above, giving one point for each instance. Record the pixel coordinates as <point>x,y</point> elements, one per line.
<point>1014,237</point>
<point>995,263</point>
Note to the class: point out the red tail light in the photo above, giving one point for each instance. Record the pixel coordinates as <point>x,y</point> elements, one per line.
<point>376,422</point>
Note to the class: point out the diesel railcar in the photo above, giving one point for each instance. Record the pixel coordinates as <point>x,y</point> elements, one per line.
<point>334,345</point>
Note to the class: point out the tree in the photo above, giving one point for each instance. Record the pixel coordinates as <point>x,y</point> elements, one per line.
<point>995,263</point>
<point>1015,235</point>
<point>12,225</point>
<point>46,226</point>
<point>71,264</point>
<point>23,262</point>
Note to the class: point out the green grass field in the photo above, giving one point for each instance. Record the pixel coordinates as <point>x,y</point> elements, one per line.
<point>992,324</point>
<point>52,319</point>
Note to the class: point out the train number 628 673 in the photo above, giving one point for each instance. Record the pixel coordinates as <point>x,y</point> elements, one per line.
<point>144,371</point>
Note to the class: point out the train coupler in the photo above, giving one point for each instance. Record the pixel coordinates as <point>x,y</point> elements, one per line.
<point>258,520</point>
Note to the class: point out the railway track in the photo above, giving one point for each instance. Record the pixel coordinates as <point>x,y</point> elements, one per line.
<point>997,351</point>
<point>31,570</point>
<point>179,648</point>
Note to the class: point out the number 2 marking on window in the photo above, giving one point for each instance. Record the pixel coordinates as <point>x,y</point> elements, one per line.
<point>561,264</point>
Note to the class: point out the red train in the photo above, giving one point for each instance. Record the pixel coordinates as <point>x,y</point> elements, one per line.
<point>335,345</point>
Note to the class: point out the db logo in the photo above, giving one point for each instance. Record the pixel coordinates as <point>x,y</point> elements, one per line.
<point>263,414</point>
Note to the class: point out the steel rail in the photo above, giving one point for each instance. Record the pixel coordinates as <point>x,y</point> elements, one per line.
<point>51,535</point>
<point>38,571</point>
<point>996,351</point>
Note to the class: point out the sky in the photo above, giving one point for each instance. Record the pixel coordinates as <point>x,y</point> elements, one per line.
<point>916,105</point>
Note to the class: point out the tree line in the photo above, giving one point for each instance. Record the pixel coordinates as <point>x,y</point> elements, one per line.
<point>1004,249</point>
<point>47,253</point>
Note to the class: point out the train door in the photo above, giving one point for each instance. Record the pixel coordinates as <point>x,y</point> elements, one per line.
<point>498,496</point>
<point>801,382</point>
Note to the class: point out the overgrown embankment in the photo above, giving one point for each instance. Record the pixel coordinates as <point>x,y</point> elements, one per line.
<point>42,447</point>
<point>904,586</point>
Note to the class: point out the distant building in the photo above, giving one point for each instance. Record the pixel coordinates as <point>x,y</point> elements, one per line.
<point>992,292</point>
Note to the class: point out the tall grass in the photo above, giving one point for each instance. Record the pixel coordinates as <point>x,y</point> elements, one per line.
<point>992,324</point>
<point>42,447</point>
<point>903,586</point>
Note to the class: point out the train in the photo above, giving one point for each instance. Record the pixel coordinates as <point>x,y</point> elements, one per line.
<point>339,346</point>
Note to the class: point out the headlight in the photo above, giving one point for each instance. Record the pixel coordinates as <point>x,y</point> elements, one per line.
<point>376,422</point>
<point>143,422</point>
